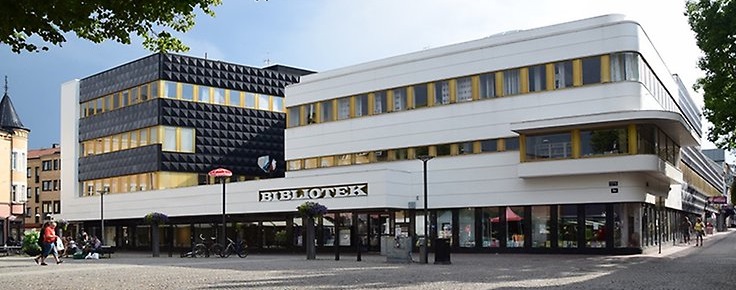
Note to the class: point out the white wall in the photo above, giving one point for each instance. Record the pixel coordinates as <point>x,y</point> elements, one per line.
<point>69,126</point>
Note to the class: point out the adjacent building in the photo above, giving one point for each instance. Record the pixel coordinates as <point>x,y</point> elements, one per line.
<point>560,139</point>
<point>13,150</point>
<point>43,175</point>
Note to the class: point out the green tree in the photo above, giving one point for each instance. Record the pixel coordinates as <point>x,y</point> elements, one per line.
<point>24,23</point>
<point>714,24</point>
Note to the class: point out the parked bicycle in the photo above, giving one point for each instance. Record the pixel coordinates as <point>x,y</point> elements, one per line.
<point>205,248</point>
<point>239,248</point>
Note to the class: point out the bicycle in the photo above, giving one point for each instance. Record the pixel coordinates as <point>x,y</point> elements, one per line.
<point>204,248</point>
<point>239,248</point>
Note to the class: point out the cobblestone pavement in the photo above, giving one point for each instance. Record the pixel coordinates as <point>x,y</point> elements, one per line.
<point>677,267</point>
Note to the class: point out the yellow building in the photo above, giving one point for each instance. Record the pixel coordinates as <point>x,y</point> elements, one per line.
<point>13,151</point>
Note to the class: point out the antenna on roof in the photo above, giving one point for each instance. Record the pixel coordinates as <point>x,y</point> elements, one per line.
<point>6,84</point>
<point>205,55</point>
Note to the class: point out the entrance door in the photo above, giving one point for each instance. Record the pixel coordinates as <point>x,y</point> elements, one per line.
<point>371,229</point>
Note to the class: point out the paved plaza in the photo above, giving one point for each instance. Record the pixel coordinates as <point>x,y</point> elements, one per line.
<point>678,267</point>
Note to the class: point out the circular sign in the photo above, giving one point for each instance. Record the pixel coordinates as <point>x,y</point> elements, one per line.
<point>220,172</point>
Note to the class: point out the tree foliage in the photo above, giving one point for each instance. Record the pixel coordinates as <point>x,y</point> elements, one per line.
<point>714,24</point>
<point>31,25</point>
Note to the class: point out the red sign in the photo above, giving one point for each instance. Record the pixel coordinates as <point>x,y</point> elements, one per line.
<point>717,199</point>
<point>220,172</point>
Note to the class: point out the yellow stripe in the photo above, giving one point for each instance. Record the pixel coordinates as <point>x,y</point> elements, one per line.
<point>334,109</point>
<point>352,107</point>
<point>371,103</point>
<point>524,75</point>
<point>476,147</point>
<point>577,72</point>
<point>410,98</point>
<point>576,143</point>
<point>453,92</point>
<point>499,84</point>
<point>633,142</point>
<point>522,148</point>
<point>605,68</point>
<point>550,68</point>
<point>390,100</point>
<point>430,94</point>
<point>475,83</point>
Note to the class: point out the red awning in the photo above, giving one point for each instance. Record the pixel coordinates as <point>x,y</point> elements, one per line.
<point>511,216</point>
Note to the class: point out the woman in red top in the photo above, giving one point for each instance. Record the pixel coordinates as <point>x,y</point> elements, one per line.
<point>48,234</point>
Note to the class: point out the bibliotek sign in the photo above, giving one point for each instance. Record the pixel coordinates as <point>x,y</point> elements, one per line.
<point>315,192</point>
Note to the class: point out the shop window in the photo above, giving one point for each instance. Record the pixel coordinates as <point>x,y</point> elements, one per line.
<point>595,226</point>
<point>466,224</point>
<point>487,86</point>
<point>491,224</point>
<point>441,93</point>
<point>464,89</point>
<point>541,226</point>
<point>400,99</point>
<point>515,226</point>
<point>444,225</point>
<point>420,96</point>
<point>537,78</point>
<point>567,226</point>
<point>550,146</point>
<point>511,82</point>
<point>603,141</point>
<point>591,70</point>
<point>563,74</point>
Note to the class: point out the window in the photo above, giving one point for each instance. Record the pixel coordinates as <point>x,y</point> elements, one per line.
<point>380,102</point>
<point>56,185</point>
<point>169,90</point>
<point>541,227</point>
<point>361,105</point>
<point>512,144</point>
<point>99,106</point>
<point>563,74</point>
<point>591,70</point>
<point>15,161</point>
<point>491,226</point>
<point>187,92</point>
<point>515,226</point>
<point>235,98</point>
<point>250,100</point>
<point>327,161</point>
<point>46,185</point>
<point>326,111</point>
<point>443,149</point>
<point>344,159</point>
<point>169,139</point>
<point>550,146</point>
<point>46,165</point>
<point>381,155</point>
<point>294,115</point>
<point>567,226</point>
<point>144,92</point>
<point>343,108</point>
<point>278,103</point>
<point>465,148</point>
<point>511,82</point>
<point>28,172</point>
<point>29,193</point>
<point>144,137</point>
<point>56,165</point>
<point>420,96</point>
<point>125,97</point>
<point>464,90</point>
<point>624,66</point>
<point>263,102</point>
<point>441,93</point>
<point>488,86</point>
<point>204,94</point>
<point>219,96</point>
<point>400,99</point>
<point>537,78</point>
<point>14,193</point>
<point>595,226</point>
<point>134,95</point>
<point>603,141</point>
<point>362,158</point>
<point>115,101</point>
<point>490,145</point>
<point>187,140</point>
<point>295,165</point>
<point>57,207</point>
<point>311,113</point>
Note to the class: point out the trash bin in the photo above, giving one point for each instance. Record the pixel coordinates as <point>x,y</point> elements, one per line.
<point>422,250</point>
<point>709,230</point>
<point>442,251</point>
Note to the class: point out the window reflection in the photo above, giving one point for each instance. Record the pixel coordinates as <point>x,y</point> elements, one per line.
<point>551,146</point>
<point>603,141</point>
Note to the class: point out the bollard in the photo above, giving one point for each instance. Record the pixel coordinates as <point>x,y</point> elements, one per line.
<point>337,247</point>
<point>359,242</point>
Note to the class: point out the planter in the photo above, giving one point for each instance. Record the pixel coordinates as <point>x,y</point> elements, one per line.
<point>309,243</point>
<point>155,237</point>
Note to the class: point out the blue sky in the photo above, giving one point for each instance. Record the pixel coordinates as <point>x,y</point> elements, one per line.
<point>328,34</point>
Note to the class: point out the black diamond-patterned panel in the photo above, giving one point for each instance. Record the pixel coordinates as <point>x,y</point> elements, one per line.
<point>126,162</point>
<point>126,119</point>
<point>226,136</point>
<point>128,75</point>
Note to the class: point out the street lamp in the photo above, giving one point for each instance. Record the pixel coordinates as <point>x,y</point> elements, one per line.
<point>424,159</point>
<point>102,193</point>
<point>222,173</point>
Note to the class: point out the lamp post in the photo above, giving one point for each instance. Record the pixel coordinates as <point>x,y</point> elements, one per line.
<point>102,193</point>
<point>425,159</point>
<point>222,173</point>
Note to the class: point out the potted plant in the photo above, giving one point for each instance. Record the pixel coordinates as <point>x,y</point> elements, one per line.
<point>310,210</point>
<point>30,243</point>
<point>155,219</point>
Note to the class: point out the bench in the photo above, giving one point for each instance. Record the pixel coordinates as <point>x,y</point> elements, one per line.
<point>7,250</point>
<point>103,250</point>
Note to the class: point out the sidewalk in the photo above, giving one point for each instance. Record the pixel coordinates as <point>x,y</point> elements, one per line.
<point>669,249</point>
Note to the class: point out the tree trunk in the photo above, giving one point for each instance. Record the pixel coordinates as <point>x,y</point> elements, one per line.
<point>309,243</point>
<point>155,240</point>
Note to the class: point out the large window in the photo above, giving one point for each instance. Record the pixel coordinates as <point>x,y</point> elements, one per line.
<point>178,139</point>
<point>603,141</point>
<point>169,91</point>
<point>218,96</point>
<point>595,225</point>
<point>551,146</point>
<point>380,102</point>
<point>326,111</point>
<point>361,105</point>
<point>187,92</point>
<point>567,226</point>
<point>624,66</point>
<point>464,90</point>
<point>263,102</point>
<point>420,96</point>
<point>591,70</point>
<point>515,227</point>
<point>204,94</point>
<point>343,108</point>
<point>294,115</point>
<point>400,99</point>
<point>441,93</point>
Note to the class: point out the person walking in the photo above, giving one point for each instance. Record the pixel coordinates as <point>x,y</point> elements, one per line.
<point>48,234</point>
<point>686,226</point>
<point>699,228</point>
